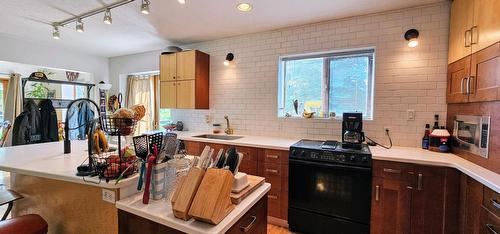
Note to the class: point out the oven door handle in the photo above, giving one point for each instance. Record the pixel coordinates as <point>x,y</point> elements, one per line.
<point>329,165</point>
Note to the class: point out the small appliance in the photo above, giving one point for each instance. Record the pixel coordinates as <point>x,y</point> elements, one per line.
<point>472,134</point>
<point>352,131</point>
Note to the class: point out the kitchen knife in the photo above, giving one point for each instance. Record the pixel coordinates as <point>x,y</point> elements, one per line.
<point>232,159</point>
<point>217,158</point>
<point>203,157</point>
<point>240,157</point>
<point>221,161</point>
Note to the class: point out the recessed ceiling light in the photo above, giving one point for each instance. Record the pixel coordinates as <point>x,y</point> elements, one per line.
<point>182,1</point>
<point>245,7</point>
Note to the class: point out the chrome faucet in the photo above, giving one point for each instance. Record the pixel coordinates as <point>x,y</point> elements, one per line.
<point>228,130</point>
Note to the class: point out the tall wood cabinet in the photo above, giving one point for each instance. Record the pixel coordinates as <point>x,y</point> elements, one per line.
<point>184,80</point>
<point>409,198</point>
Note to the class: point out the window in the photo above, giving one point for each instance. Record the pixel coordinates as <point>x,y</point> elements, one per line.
<point>3,95</point>
<point>327,83</point>
<point>165,117</point>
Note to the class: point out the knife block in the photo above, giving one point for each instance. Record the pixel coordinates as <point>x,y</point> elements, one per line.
<point>212,201</point>
<point>183,196</point>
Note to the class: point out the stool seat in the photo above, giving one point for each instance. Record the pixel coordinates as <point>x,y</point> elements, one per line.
<point>26,224</point>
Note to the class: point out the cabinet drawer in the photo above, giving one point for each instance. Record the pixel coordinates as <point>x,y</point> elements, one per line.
<point>274,156</point>
<point>272,173</point>
<point>490,224</point>
<point>393,170</point>
<point>254,221</point>
<point>491,200</point>
<point>274,201</point>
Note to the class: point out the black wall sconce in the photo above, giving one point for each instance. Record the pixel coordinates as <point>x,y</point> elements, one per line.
<point>412,37</point>
<point>229,58</point>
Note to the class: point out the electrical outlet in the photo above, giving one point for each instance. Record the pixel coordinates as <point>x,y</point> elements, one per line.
<point>410,114</point>
<point>108,195</point>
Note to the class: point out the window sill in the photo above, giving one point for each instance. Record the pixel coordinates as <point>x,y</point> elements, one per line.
<point>320,118</point>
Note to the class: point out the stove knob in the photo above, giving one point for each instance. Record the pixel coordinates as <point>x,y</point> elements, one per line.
<point>303,153</point>
<point>364,159</point>
<point>352,158</point>
<point>294,152</point>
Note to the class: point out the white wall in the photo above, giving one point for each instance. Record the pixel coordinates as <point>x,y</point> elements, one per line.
<point>26,52</point>
<point>405,78</point>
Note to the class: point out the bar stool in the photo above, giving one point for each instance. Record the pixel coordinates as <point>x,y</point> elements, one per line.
<point>25,224</point>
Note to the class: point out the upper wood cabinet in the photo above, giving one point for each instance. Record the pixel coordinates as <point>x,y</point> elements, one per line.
<point>461,20</point>
<point>474,25</point>
<point>475,78</point>
<point>184,80</point>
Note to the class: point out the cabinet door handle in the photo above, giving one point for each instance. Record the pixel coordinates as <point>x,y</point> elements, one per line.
<point>272,171</point>
<point>491,228</point>
<point>419,181</point>
<point>409,187</point>
<point>462,85</point>
<point>469,90</point>
<point>272,156</point>
<point>377,193</point>
<point>389,170</point>
<point>495,203</point>
<point>250,225</point>
<point>465,38</point>
<point>472,42</point>
<point>272,197</point>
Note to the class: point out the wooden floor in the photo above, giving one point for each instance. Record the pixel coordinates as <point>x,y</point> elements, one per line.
<point>273,229</point>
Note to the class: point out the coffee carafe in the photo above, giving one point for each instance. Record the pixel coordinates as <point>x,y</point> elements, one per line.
<point>352,130</point>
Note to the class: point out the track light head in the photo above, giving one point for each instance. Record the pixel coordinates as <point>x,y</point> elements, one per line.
<point>55,32</point>
<point>107,17</point>
<point>145,7</point>
<point>79,26</point>
<point>182,1</point>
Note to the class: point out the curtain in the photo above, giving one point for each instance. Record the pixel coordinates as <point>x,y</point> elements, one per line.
<point>140,90</point>
<point>13,102</point>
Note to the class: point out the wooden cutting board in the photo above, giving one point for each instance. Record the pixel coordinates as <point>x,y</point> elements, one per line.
<point>254,181</point>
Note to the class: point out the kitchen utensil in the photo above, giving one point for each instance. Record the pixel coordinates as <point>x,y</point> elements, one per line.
<point>203,157</point>
<point>155,139</point>
<point>141,146</point>
<point>232,159</point>
<point>168,147</point>
<point>141,175</point>
<point>221,161</point>
<point>120,177</point>
<point>296,106</point>
<point>120,99</point>
<point>240,157</point>
<point>145,196</point>
<point>217,158</point>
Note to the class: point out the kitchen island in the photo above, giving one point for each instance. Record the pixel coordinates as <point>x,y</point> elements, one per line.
<point>157,217</point>
<point>70,204</point>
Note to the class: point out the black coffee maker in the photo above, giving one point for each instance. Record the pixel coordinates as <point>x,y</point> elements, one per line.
<point>352,130</point>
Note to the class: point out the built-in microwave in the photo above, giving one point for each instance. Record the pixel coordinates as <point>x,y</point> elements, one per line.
<point>471,133</point>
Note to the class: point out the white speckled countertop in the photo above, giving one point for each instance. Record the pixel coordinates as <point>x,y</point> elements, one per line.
<point>47,160</point>
<point>398,154</point>
<point>160,211</point>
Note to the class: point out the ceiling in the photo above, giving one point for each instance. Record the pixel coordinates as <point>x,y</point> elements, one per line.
<point>170,23</point>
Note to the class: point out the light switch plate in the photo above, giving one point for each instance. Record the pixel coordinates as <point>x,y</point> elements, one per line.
<point>109,196</point>
<point>410,114</point>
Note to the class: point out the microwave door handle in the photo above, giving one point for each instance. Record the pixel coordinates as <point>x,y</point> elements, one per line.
<point>462,85</point>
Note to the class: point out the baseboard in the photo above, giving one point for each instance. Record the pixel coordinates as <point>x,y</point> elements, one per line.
<point>277,221</point>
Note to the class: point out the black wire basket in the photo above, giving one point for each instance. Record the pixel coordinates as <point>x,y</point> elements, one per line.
<point>118,126</point>
<point>110,165</point>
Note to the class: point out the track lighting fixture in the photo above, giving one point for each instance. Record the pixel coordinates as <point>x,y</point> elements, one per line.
<point>145,7</point>
<point>55,32</point>
<point>79,26</point>
<point>229,58</point>
<point>107,17</point>
<point>412,37</point>
<point>182,1</point>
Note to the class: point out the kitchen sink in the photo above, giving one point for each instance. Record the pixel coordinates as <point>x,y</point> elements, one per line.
<point>219,137</point>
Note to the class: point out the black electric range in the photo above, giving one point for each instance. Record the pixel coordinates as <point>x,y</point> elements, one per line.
<point>329,188</point>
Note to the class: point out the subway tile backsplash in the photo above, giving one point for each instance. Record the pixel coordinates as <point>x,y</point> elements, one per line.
<point>405,78</point>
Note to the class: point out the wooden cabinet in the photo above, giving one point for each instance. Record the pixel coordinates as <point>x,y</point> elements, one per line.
<point>490,223</point>
<point>484,81</point>
<point>471,195</point>
<point>473,26</point>
<point>268,163</point>
<point>391,205</point>
<point>475,78</point>
<point>184,80</point>
<point>486,24</point>
<point>461,20</point>
<point>409,198</point>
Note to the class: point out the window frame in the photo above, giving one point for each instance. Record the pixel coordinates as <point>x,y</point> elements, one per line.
<point>327,57</point>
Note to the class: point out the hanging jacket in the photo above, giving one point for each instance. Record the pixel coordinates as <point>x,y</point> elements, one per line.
<point>21,129</point>
<point>34,121</point>
<point>85,115</point>
<point>48,118</point>
<point>72,116</point>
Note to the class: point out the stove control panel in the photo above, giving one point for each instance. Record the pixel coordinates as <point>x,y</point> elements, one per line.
<point>331,156</point>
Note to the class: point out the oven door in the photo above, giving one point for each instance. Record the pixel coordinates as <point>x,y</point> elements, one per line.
<point>330,189</point>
